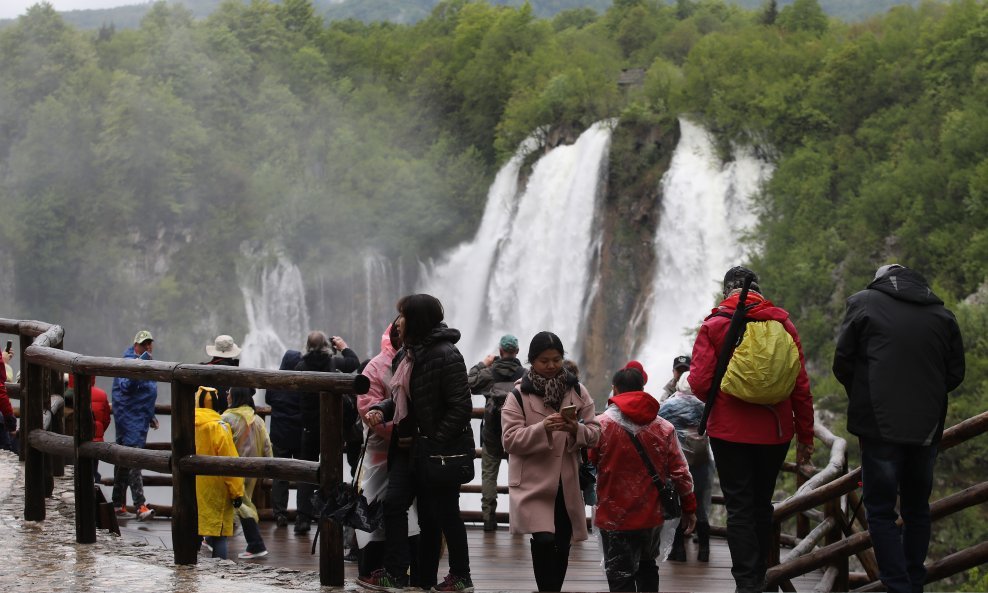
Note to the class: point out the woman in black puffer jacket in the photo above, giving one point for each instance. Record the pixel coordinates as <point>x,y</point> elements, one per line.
<point>430,398</point>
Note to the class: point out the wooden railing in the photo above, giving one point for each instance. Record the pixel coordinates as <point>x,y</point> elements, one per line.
<point>45,449</point>
<point>840,530</point>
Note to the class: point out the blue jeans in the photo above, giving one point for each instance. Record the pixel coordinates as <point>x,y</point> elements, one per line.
<point>255,543</point>
<point>218,543</point>
<point>889,470</point>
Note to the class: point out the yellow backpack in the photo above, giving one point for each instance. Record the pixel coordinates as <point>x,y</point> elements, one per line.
<point>764,366</point>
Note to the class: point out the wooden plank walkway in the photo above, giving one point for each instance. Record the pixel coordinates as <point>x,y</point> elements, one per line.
<point>499,561</point>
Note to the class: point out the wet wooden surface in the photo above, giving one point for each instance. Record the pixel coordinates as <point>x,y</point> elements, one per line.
<point>499,561</point>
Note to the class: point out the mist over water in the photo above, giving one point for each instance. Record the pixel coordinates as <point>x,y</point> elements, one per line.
<point>706,211</point>
<point>532,264</point>
<point>277,316</point>
<point>384,284</point>
<point>529,268</point>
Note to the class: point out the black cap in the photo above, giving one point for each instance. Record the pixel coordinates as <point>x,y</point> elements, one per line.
<point>734,279</point>
<point>681,362</point>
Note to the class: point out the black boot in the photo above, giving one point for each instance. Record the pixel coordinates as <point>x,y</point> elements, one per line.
<point>562,564</point>
<point>544,565</point>
<point>678,552</point>
<point>703,533</point>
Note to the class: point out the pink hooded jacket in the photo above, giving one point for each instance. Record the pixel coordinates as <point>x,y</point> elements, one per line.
<point>378,370</point>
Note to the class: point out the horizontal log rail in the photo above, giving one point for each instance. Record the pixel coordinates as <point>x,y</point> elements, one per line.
<point>811,540</point>
<point>969,497</point>
<point>295,470</point>
<point>44,363</point>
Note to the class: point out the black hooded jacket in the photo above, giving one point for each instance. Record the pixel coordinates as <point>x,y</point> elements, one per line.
<point>441,405</point>
<point>898,354</point>
<point>286,417</point>
<point>322,361</point>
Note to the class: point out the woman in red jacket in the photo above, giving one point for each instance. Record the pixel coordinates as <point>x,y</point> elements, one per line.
<point>750,441</point>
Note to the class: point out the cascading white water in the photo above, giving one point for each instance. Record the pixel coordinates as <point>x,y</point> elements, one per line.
<point>277,317</point>
<point>706,209</point>
<point>528,267</point>
<point>384,282</point>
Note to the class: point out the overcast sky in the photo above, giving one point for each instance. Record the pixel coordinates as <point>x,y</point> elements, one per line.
<point>12,8</point>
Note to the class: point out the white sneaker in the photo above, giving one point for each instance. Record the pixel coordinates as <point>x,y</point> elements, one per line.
<point>249,555</point>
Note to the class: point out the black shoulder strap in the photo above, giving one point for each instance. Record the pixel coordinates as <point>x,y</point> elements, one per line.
<point>656,480</point>
<point>520,404</point>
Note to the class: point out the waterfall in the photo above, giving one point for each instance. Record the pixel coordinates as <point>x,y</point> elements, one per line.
<point>529,267</point>
<point>277,318</point>
<point>706,210</point>
<point>384,283</point>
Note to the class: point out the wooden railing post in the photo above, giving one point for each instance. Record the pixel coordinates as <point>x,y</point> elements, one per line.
<point>185,509</point>
<point>46,391</point>
<point>85,496</point>
<point>22,435</point>
<point>802,521</point>
<point>34,460</point>
<point>330,475</point>
<point>57,385</point>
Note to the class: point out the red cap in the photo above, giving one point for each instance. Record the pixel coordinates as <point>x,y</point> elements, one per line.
<point>634,364</point>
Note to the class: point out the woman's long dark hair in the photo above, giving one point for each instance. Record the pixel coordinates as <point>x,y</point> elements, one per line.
<point>422,313</point>
<point>242,396</point>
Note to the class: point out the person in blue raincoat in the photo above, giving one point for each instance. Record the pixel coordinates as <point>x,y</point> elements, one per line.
<point>133,413</point>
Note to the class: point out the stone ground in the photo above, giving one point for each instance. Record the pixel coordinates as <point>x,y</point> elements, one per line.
<point>43,556</point>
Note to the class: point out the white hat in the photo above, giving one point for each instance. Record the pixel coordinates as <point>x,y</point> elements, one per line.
<point>223,347</point>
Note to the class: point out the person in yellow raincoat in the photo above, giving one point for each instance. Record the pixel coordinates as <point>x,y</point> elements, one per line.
<point>250,435</point>
<point>216,496</point>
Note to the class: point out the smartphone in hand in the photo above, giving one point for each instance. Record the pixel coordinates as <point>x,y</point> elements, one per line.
<point>568,412</point>
<point>10,344</point>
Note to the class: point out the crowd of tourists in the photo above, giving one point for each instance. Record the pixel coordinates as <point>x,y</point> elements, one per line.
<point>730,409</point>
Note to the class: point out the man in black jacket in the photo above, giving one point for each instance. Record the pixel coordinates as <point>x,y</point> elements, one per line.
<point>320,356</point>
<point>899,354</point>
<point>286,433</point>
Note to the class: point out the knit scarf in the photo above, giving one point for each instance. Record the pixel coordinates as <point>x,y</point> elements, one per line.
<point>401,387</point>
<point>552,390</point>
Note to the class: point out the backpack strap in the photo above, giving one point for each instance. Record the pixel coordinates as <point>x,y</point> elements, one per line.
<point>517,395</point>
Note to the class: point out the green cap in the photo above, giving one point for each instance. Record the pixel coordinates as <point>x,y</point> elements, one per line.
<point>143,336</point>
<point>509,342</point>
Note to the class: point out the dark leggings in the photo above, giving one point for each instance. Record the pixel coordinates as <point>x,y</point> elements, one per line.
<point>564,528</point>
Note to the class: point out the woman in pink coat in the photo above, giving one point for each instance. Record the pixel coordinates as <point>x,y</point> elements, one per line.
<point>543,443</point>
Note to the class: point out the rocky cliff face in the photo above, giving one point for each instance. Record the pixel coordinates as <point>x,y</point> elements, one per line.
<point>640,155</point>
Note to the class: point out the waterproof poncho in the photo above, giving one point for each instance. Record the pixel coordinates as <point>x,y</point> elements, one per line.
<point>626,497</point>
<point>133,407</point>
<point>214,494</point>
<point>250,436</point>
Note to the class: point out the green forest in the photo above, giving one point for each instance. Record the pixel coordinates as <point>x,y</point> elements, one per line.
<point>412,11</point>
<point>123,150</point>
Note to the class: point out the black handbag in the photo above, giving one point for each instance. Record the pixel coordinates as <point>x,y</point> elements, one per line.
<point>671,505</point>
<point>445,464</point>
<point>588,472</point>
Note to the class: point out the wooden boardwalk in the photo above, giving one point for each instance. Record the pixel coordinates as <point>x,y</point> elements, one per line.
<point>499,561</point>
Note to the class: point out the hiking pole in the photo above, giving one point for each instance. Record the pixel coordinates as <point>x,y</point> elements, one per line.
<point>726,350</point>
